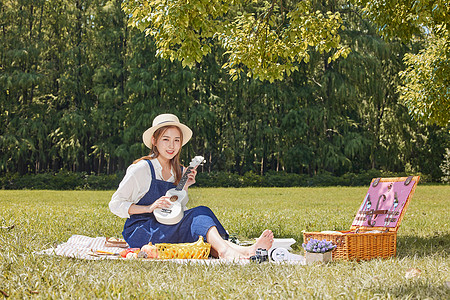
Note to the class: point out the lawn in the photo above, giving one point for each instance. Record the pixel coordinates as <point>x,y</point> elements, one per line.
<point>41,219</point>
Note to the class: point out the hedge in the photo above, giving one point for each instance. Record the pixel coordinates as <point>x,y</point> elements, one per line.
<point>83,181</point>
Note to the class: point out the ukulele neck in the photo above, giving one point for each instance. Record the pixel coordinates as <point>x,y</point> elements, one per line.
<point>183,179</point>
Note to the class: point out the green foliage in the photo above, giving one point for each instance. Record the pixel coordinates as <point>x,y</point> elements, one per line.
<point>283,179</point>
<point>81,181</point>
<point>267,39</point>
<point>404,18</point>
<point>425,88</point>
<point>445,167</point>
<point>265,36</point>
<point>426,80</point>
<point>78,87</point>
<point>178,27</point>
<point>60,181</point>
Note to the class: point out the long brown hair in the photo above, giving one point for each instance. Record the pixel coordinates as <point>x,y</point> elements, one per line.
<point>154,153</point>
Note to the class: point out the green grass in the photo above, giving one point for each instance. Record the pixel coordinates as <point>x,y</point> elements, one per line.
<point>42,219</point>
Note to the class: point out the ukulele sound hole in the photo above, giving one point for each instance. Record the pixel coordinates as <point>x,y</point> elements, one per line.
<point>174,198</point>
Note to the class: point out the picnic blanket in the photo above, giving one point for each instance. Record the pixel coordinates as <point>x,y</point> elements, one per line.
<point>84,247</point>
<point>81,246</point>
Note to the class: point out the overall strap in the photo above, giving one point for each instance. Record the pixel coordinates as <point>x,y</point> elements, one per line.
<point>151,169</point>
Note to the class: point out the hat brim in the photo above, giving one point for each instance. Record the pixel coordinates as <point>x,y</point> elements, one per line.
<point>185,131</point>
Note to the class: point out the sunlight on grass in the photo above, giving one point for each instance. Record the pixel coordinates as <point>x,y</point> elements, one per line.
<point>42,219</point>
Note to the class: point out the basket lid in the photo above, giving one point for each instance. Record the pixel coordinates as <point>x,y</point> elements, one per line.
<point>385,203</point>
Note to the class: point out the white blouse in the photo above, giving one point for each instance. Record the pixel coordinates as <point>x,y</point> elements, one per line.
<point>134,186</point>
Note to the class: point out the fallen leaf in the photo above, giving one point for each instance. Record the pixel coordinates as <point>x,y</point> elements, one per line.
<point>375,278</point>
<point>7,227</point>
<point>4,293</point>
<point>411,273</point>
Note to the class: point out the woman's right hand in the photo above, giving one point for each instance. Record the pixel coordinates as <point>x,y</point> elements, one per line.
<point>162,202</point>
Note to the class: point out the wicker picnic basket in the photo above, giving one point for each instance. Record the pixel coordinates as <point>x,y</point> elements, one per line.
<point>196,250</point>
<point>374,230</point>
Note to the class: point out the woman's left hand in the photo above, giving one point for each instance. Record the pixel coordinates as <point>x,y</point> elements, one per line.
<point>191,178</point>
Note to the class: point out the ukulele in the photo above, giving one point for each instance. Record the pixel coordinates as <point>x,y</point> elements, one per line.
<point>178,196</point>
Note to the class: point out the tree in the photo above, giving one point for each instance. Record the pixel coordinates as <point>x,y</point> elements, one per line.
<point>24,90</point>
<point>268,37</point>
<point>109,81</point>
<point>78,87</point>
<point>426,80</point>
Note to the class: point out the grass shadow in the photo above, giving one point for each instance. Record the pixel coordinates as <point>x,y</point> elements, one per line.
<point>416,288</point>
<point>410,245</point>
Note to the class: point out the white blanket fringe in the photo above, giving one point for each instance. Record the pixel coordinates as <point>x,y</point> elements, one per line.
<point>80,246</point>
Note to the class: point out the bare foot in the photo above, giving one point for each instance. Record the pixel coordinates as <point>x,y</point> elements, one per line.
<point>230,254</point>
<point>265,241</point>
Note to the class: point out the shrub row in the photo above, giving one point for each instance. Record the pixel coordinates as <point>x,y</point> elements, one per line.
<point>282,179</point>
<point>60,181</point>
<point>83,181</point>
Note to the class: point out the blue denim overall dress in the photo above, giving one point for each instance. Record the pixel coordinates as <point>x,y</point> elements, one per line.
<point>140,229</point>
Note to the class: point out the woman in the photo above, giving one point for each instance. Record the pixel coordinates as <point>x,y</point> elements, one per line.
<point>143,190</point>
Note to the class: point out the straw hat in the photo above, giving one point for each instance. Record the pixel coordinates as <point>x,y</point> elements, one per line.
<point>166,120</point>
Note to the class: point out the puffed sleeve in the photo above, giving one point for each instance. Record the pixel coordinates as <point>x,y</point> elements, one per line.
<point>132,188</point>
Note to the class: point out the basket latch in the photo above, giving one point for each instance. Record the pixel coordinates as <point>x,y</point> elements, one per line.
<point>408,180</point>
<point>375,182</point>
